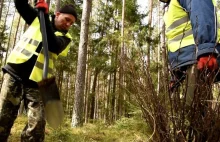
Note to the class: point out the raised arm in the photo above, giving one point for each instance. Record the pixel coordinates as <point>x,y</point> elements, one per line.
<point>27,12</point>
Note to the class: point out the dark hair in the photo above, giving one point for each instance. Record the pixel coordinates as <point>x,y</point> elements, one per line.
<point>69,9</point>
<point>165,1</point>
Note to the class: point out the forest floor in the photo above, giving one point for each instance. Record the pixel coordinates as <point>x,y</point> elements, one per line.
<point>124,130</point>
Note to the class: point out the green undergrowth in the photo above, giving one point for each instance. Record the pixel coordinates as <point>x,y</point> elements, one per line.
<point>123,130</point>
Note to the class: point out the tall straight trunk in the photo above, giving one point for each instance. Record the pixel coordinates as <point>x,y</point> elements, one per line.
<point>77,118</point>
<point>16,32</point>
<point>107,99</point>
<point>115,61</point>
<point>66,94</point>
<point>87,100</point>
<point>112,86</point>
<point>104,98</point>
<point>70,92</point>
<point>9,40</point>
<point>59,78</point>
<point>71,100</point>
<point>4,26</point>
<point>158,52</point>
<point>113,101</point>
<point>3,23</point>
<point>92,95</point>
<point>150,4</point>
<point>1,8</point>
<point>57,5</point>
<point>66,89</point>
<point>122,55</point>
<point>97,99</point>
<point>7,14</point>
<point>21,108</point>
<point>108,102</point>
<point>93,101</point>
<point>165,71</point>
<point>149,34</point>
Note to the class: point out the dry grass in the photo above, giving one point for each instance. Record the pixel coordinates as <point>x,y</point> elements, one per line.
<point>124,130</point>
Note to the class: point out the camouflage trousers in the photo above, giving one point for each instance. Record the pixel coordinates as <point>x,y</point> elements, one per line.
<point>12,93</point>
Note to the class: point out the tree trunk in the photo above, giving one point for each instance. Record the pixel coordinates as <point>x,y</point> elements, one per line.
<point>87,101</point>
<point>165,70</point>
<point>2,33</point>
<point>77,118</point>
<point>158,52</point>
<point>9,40</point>
<point>16,32</point>
<point>1,8</point>
<point>92,95</point>
<point>57,5</point>
<point>122,55</point>
<point>150,31</point>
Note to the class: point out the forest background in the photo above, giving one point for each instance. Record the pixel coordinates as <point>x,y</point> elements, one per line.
<point>114,82</point>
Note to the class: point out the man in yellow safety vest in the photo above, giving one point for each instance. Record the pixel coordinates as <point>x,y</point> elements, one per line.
<point>193,34</point>
<point>24,67</point>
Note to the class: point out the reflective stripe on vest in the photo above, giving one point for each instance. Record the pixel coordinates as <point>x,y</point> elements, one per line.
<point>37,71</point>
<point>216,3</point>
<point>178,27</point>
<point>26,48</point>
<point>65,51</point>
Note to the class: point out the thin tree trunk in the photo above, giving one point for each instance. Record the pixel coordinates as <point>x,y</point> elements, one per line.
<point>16,32</point>
<point>9,40</point>
<point>1,8</point>
<point>57,5</point>
<point>66,90</point>
<point>122,55</point>
<point>77,118</point>
<point>92,95</point>
<point>7,14</point>
<point>87,100</point>
<point>107,104</point>
<point>4,26</point>
<point>149,34</point>
<point>165,71</point>
<point>60,79</point>
<point>158,52</point>
<point>113,79</point>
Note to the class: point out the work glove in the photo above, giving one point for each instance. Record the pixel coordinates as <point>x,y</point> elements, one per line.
<point>42,5</point>
<point>207,61</point>
<point>171,85</point>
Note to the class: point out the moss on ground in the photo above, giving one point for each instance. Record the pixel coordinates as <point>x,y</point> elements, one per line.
<point>124,130</point>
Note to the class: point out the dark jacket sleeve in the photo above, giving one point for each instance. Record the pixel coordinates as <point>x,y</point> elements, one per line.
<point>27,12</point>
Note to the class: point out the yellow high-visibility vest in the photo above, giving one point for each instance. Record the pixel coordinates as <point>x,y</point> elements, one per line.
<point>27,46</point>
<point>216,3</point>
<point>178,27</point>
